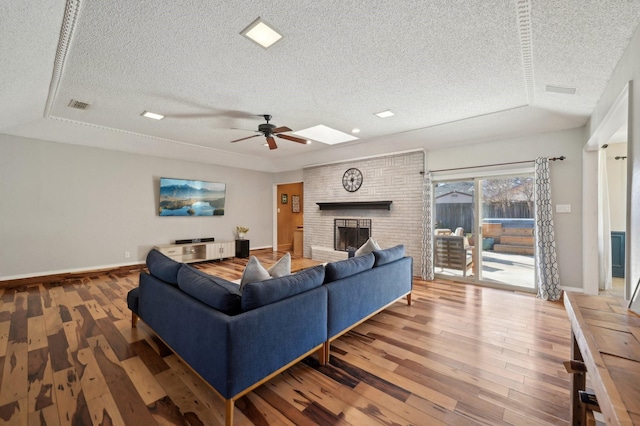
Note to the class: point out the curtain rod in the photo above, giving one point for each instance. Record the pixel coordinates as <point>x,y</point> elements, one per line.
<point>562,157</point>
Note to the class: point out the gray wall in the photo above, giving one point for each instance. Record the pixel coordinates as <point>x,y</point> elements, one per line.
<point>67,207</point>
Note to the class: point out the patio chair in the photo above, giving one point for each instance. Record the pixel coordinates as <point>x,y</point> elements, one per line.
<point>451,253</point>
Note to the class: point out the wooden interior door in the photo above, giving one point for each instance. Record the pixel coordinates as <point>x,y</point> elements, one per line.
<point>288,220</point>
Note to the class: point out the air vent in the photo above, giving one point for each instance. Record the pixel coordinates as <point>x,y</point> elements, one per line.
<point>559,89</point>
<point>78,105</point>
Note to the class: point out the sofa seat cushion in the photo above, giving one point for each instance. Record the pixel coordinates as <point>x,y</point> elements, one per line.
<point>261,293</point>
<point>388,255</point>
<point>216,292</point>
<point>345,268</point>
<point>163,267</point>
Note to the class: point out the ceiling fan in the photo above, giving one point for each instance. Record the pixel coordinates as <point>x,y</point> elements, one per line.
<point>270,130</point>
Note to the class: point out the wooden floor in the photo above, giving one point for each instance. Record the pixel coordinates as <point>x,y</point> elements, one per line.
<point>459,355</point>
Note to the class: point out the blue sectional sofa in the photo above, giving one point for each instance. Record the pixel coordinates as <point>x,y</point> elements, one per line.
<point>238,341</point>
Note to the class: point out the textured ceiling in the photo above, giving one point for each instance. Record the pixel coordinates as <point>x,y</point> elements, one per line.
<point>454,72</point>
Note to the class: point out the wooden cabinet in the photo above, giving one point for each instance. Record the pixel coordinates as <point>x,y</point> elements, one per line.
<point>298,241</point>
<point>242,248</point>
<point>198,252</point>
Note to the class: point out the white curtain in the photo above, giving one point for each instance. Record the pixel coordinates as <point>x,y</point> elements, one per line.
<point>426,264</point>
<point>605,280</point>
<point>546,261</point>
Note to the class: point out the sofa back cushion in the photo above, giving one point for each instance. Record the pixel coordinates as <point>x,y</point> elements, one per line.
<point>388,255</point>
<point>261,293</point>
<point>345,268</point>
<point>163,267</point>
<point>216,292</point>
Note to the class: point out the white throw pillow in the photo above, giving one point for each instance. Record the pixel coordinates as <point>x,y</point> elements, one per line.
<point>253,272</point>
<point>282,267</point>
<point>367,248</point>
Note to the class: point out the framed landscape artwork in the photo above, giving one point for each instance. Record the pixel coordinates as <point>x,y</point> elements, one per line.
<point>182,197</point>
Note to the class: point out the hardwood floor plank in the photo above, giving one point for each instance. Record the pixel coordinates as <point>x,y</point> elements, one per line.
<point>165,412</point>
<point>151,359</point>
<point>4,337</point>
<point>72,407</point>
<point>36,333</point>
<point>117,342</point>
<point>283,406</point>
<point>14,377</point>
<point>34,302</point>
<point>40,392</point>
<point>144,381</point>
<point>14,413</point>
<point>129,402</point>
<point>458,355</point>
<point>46,417</point>
<point>190,407</point>
<point>104,411</point>
<point>260,413</point>
<point>408,413</point>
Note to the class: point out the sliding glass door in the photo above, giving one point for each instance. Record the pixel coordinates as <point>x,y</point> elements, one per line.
<point>484,230</point>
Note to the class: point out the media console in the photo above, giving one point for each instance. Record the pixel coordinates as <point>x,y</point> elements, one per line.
<point>198,252</point>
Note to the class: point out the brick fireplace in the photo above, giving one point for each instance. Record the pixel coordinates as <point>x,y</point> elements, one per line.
<point>395,178</point>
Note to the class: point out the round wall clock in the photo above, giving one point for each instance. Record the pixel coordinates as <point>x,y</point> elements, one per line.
<point>352,180</point>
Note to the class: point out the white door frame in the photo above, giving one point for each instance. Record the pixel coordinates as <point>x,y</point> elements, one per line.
<point>615,118</point>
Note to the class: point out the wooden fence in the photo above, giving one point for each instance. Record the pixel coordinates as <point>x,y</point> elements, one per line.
<point>454,215</point>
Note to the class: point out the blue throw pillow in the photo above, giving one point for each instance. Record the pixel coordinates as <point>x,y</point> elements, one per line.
<point>388,255</point>
<point>216,292</point>
<point>345,268</point>
<point>163,267</point>
<point>261,293</point>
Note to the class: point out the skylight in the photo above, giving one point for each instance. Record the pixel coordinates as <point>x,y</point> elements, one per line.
<point>385,114</point>
<point>324,134</point>
<point>152,115</point>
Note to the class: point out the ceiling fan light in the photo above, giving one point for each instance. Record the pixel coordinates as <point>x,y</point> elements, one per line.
<point>261,33</point>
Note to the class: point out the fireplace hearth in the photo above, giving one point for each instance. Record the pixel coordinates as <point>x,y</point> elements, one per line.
<point>350,234</point>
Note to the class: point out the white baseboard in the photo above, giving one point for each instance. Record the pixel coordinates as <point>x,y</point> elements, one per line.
<point>572,289</point>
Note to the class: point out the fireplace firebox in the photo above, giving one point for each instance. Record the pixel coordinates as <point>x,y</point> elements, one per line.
<point>350,234</point>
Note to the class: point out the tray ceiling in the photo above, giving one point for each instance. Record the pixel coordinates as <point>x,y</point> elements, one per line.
<point>452,72</point>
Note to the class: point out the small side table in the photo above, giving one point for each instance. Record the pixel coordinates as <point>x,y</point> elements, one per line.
<point>242,248</point>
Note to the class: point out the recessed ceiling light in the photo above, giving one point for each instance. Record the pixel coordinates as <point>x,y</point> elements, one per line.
<point>560,89</point>
<point>261,33</point>
<point>152,115</point>
<point>355,131</point>
<point>324,134</point>
<point>385,114</point>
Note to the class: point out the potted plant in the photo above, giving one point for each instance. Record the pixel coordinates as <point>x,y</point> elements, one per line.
<point>241,230</point>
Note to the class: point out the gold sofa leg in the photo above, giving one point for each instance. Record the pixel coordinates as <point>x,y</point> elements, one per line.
<point>228,412</point>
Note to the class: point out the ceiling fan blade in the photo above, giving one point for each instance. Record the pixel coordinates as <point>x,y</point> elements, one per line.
<point>281,129</point>
<point>248,137</point>
<point>272,142</point>
<point>292,138</point>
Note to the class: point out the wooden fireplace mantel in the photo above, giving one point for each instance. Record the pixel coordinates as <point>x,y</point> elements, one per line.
<point>359,205</point>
